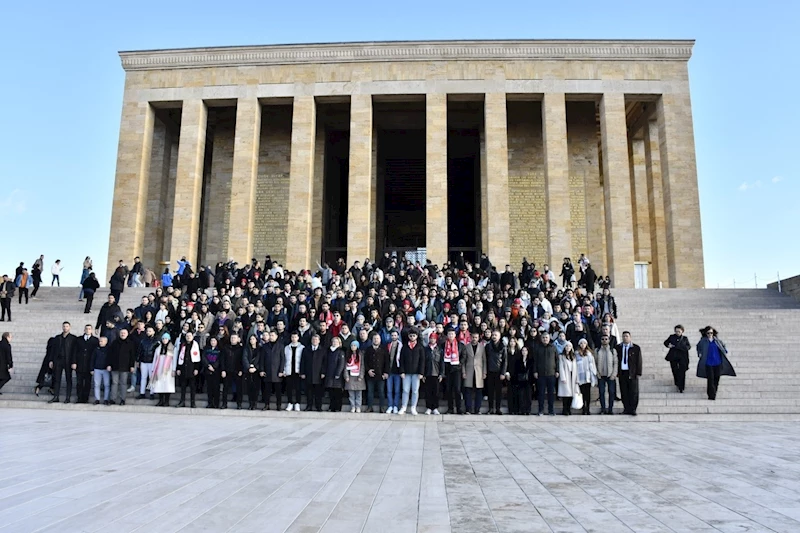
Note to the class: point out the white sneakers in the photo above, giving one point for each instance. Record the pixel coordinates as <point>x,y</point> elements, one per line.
<point>297,407</point>
<point>402,410</point>
<point>352,409</point>
<point>289,407</point>
<point>358,409</point>
<point>390,410</point>
<point>428,411</point>
<point>436,412</point>
<point>130,389</point>
<point>414,411</point>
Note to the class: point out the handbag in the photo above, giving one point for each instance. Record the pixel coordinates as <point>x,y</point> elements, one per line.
<point>577,400</point>
<point>47,382</point>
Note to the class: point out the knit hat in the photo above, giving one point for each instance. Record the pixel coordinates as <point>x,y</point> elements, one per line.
<point>356,344</point>
<point>166,336</point>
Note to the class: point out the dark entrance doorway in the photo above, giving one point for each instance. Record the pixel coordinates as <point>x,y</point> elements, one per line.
<point>335,127</point>
<point>465,120</point>
<point>400,168</point>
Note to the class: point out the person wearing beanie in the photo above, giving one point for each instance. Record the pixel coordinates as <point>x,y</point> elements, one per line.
<point>163,374</point>
<point>354,376</point>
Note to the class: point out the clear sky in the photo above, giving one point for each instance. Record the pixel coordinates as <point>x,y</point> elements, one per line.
<point>61,89</point>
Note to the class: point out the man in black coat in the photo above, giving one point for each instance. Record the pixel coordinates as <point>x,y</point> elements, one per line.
<point>63,359</point>
<point>107,312</point>
<point>545,372</point>
<point>313,363</point>
<point>233,371</point>
<point>83,363</point>
<point>7,288</point>
<point>122,360</point>
<point>6,361</point>
<point>630,368</point>
<point>678,356</point>
<point>412,365</point>
<point>376,357</point>
<point>496,368</point>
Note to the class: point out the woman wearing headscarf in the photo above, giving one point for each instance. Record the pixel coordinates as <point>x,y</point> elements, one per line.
<point>354,376</point>
<point>713,362</point>
<point>162,381</point>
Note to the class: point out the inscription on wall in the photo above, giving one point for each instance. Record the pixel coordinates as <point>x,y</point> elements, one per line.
<point>271,216</point>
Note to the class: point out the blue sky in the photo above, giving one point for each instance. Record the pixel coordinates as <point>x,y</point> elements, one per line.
<point>61,89</point>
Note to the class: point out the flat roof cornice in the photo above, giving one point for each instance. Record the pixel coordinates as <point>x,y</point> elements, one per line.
<point>397,51</point>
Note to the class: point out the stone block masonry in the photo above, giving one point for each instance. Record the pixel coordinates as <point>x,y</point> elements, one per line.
<point>541,196</point>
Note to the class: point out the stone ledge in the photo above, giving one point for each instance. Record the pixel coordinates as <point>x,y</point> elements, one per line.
<point>422,418</point>
<point>288,54</point>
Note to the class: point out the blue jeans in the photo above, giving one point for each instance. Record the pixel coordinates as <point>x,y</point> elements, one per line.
<point>376,386</point>
<point>472,399</point>
<point>84,275</point>
<point>612,392</point>
<point>548,383</point>
<point>410,387</point>
<point>134,381</point>
<point>394,386</point>
<point>104,377</point>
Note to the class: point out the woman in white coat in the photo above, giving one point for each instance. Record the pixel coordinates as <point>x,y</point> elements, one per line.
<point>162,381</point>
<point>587,372</point>
<point>567,378</point>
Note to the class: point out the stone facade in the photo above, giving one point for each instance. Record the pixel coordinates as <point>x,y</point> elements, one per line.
<point>567,164</point>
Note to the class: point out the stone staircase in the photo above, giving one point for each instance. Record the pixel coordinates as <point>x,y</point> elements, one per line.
<point>760,328</point>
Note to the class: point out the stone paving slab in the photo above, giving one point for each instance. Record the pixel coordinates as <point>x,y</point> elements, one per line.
<point>81,470</point>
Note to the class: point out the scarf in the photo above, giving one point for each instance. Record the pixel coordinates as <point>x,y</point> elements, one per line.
<point>451,351</point>
<point>354,364</point>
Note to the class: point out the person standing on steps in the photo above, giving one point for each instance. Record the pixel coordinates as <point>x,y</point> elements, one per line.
<point>121,360</point>
<point>474,374</point>
<point>607,366</point>
<point>376,357</point>
<point>6,293</point>
<point>101,371</point>
<point>187,354</point>
<point>453,353</point>
<point>713,362</point>
<point>23,282</point>
<point>164,366</point>
<point>292,364</point>
<point>496,368</point>
<point>145,354</point>
<point>630,368</point>
<point>6,360</point>
<point>678,356</point>
<point>86,344</point>
<point>87,269</point>
<point>433,376</point>
<point>64,348</point>
<point>211,363</point>
<point>412,363</point>
<point>55,270</point>
<point>314,362</point>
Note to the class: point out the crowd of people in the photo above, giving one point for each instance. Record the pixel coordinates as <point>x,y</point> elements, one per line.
<point>379,333</point>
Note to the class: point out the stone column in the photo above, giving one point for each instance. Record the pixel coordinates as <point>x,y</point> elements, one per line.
<point>301,183</point>
<point>640,208</point>
<point>362,185</point>
<point>243,180</point>
<point>617,190</point>
<point>658,238</point>
<point>684,238</point>
<point>129,210</point>
<point>556,166</point>
<point>498,243</point>
<point>436,177</point>
<point>189,182</point>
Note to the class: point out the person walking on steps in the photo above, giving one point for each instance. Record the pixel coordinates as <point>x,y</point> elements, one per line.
<point>678,356</point>
<point>23,283</point>
<point>713,362</point>
<point>6,293</point>
<point>6,361</point>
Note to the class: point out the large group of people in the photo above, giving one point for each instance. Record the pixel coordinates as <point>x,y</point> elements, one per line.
<point>379,333</point>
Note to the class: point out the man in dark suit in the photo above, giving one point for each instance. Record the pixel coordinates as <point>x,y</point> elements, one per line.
<point>63,360</point>
<point>630,368</point>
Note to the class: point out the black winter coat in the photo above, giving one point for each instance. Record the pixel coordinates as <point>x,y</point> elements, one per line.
<point>83,353</point>
<point>496,359</point>
<point>122,355</point>
<point>412,360</point>
<point>334,367</point>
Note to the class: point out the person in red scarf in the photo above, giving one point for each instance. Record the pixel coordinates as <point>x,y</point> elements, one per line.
<point>453,354</point>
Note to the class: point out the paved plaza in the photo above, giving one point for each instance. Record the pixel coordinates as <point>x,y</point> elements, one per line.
<point>87,471</point>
